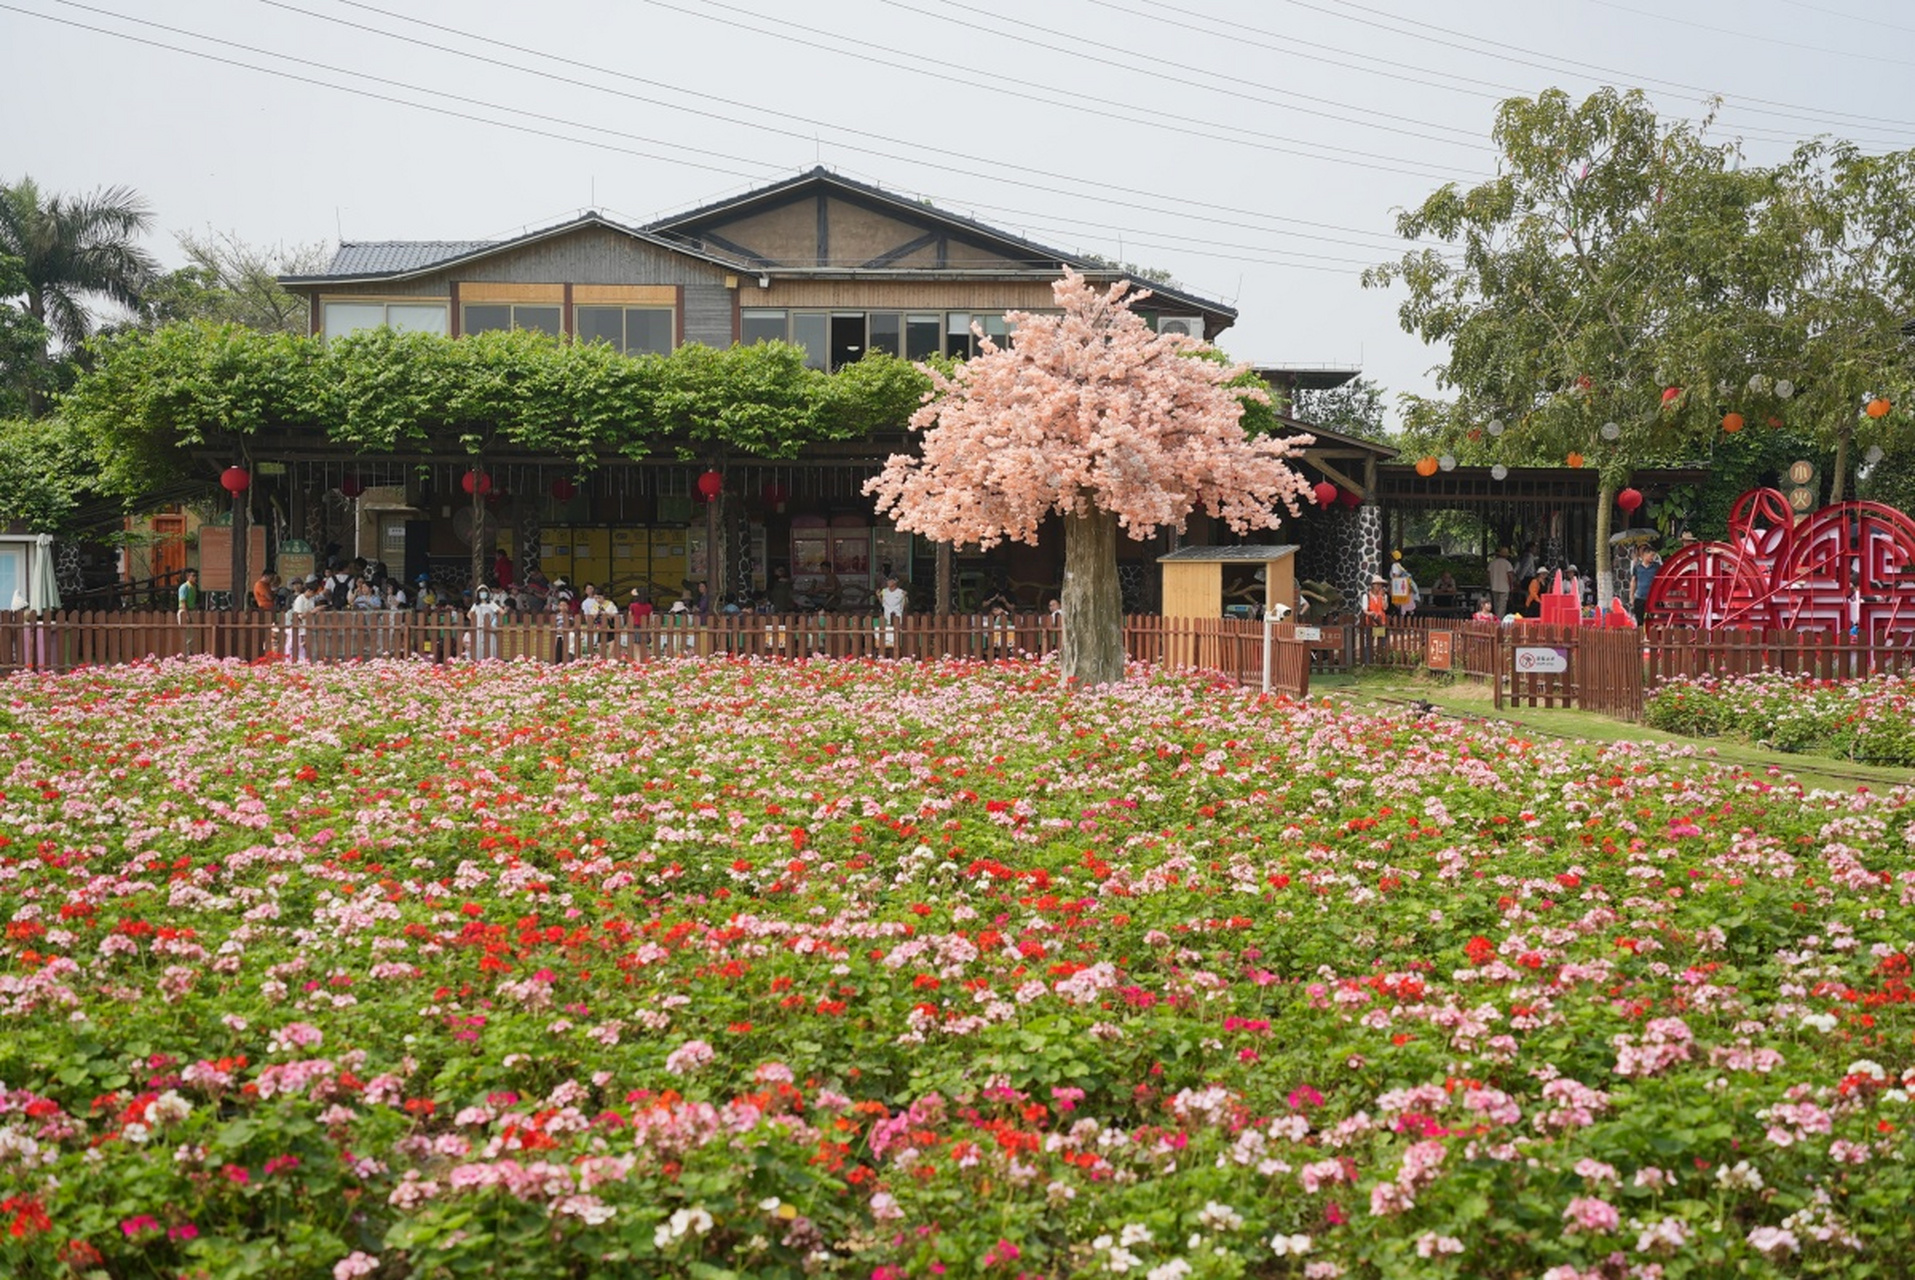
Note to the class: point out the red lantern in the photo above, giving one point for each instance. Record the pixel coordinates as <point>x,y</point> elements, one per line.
<point>1629,499</point>
<point>476,482</point>
<point>1350,498</point>
<point>235,480</point>
<point>709,484</point>
<point>564,490</point>
<point>352,486</point>
<point>1670,395</point>
<point>1326,493</point>
<point>1732,422</point>
<point>1426,467</point>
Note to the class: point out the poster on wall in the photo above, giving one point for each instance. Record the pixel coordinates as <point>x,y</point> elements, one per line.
<point>695,555</point>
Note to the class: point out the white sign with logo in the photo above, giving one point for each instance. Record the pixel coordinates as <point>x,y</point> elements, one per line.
<point>1309,633</point>
<point>1540,660</point>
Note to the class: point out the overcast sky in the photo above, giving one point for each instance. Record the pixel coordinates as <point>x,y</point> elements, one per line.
<point>1257,149</point>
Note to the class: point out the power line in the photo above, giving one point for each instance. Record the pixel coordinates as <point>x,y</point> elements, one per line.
<point>1812,115</point>
<point>1791,44</point>
<point>1394,69</point>
<point>381,97</point>
<point>456,114</point>
<point>913,156</point>
<point>1079,43</point>
<point>1076,102</point>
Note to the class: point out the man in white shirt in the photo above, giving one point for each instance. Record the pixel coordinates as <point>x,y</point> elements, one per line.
<point>891,600</point>
<point>1501,574</point>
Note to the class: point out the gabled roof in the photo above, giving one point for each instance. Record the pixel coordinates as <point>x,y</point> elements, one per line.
<point>1338,439</point>
<point>686,227</point>
<point>374,260</point>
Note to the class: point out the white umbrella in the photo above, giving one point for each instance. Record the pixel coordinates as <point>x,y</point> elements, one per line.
<point>43,587</point>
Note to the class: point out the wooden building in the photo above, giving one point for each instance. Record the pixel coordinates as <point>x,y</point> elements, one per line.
<point>835,266</point>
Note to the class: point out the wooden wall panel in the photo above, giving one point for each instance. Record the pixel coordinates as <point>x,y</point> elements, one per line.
<point>897,295</point>
<point>625,295</point>
<point>471,291</point>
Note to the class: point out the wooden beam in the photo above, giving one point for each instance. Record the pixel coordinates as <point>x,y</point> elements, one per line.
<point>1324,466</point>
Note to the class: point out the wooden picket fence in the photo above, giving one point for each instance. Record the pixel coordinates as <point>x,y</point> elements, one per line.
<point>66,641</point>
<point>1680,652</point>
<point>1594,669</point>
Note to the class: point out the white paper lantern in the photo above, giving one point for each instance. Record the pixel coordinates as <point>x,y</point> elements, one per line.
<point>1784,388</point>
<point>1447,462</point>
<point>1498,472</point>
<point>1611,431</point>
<point>1495,426</point>
<point>1874,454</point>
<point>1757,383</point>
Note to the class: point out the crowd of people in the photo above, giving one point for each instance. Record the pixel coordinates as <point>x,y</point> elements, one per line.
<point>1516,586</point>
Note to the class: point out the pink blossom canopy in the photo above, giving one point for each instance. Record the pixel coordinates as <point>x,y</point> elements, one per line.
<point>1087,409</point>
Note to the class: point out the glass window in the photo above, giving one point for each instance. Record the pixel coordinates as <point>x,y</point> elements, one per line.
<point>409,317</point>
<point>600,324</point>
<point>343,318</point>
<point>887,332</point>
<point>923,335</point>
<point>957,335</point>
<point>650,329</point>
<point>763,326</point>
<point>485,319</point>
<point>543,319</point>
<point>811,330</point>
<point>995,329</point>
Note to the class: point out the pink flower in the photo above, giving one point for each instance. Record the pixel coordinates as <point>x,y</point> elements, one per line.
<point>137,1224</point>
<point>354,1265</point>
<point>688,1057</point>
<point>1587,1213</point>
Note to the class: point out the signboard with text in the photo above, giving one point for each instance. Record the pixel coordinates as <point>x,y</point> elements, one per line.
<point>1437,650</point>
<point>1541,660</point>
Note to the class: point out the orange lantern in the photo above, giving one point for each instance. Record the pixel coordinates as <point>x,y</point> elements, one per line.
<point>1732,422</point>
<point>1426,467</point>
<point>1879,407</point>
<point>1574,460</point>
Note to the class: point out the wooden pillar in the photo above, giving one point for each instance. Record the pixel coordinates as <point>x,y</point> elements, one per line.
<point>242,514</point>
<point>944,579</point>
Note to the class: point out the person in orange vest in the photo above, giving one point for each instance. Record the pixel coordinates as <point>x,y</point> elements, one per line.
<point>1376,606</point>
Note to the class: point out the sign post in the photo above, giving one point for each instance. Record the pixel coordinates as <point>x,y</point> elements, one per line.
<point>1439,649</point>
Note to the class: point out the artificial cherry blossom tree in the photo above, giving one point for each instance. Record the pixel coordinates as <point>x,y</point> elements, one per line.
<point>1091,416</point>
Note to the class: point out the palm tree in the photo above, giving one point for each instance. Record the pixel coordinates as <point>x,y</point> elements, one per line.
<point>72,248</point>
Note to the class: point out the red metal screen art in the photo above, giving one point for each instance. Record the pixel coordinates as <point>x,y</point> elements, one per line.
<point>1848,566</point>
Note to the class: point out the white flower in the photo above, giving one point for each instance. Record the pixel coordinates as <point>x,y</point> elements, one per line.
<point>1135,1233</point>
<point>1290,1246</point>
<point>1739,1177</point>
<point>1175,1269</point>
<point>1823,1022</point>
<point>1220,1217</point>
<point>1122,1260</point>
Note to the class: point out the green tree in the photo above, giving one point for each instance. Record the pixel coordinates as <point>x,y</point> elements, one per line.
<point>23,343</point>
<point>74,250</point>
<point>1616,272</point>
<point>1849,220</point>
<point>228,281</point>
<point>1355,409</point>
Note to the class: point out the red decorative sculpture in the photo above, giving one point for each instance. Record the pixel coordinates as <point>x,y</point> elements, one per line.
<point>1851,565</point>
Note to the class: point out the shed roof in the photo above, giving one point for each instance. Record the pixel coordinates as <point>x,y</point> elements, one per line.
<point>1248,554</point>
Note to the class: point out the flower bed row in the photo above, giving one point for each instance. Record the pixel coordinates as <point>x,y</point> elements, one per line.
<point>888,970</point>
<point>1870,720</point>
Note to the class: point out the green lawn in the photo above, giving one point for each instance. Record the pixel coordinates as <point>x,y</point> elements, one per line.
<point>1464,698</point>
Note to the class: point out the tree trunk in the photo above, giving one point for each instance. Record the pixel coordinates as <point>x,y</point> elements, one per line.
<point>1092,647</point>
<point>1605,505</point>
<point>1839,484</point>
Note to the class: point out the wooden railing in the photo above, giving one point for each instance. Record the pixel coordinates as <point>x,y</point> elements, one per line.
<point>1678,652</point>
<point>69,640</point>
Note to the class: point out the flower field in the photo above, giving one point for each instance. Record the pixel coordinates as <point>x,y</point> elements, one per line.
<point>1870,720</point>
<point>888,970</point>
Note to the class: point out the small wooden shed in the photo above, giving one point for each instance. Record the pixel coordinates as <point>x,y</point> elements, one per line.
<point>1194,578</point>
